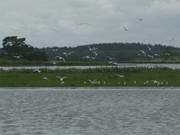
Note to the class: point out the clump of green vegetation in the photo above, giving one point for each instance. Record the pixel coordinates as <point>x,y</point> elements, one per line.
<point>91,77</point>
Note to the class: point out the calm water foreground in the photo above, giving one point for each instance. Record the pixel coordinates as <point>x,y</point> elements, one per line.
<point>120,111</point>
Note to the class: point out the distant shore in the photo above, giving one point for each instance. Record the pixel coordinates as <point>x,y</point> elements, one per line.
<point>119,65</point>
<point>98,77</point>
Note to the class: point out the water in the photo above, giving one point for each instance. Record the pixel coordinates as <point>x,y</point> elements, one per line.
<point>123,65</point>
<point>89,111</point>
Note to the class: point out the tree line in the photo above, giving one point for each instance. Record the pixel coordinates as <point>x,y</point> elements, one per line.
<point>15,47</point>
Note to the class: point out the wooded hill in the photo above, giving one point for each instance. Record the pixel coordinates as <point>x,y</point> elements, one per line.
<point>15,48</point>
<point>115,52</point>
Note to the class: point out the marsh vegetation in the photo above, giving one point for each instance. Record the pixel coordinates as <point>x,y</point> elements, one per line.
<point>90,77</point>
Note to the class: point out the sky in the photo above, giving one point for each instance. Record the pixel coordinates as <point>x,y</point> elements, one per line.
<point>78,22</point>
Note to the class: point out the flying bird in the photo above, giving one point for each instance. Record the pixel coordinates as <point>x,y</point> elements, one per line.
<point>125,28</point>
<point>140,19</point>
<point>83,23</point>
<point>171,40</point>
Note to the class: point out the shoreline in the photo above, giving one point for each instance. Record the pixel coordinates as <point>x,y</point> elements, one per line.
<point>120,65</point>
<point>90,88</point>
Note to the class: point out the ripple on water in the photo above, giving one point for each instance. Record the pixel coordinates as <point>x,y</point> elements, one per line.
<point>90,112</point>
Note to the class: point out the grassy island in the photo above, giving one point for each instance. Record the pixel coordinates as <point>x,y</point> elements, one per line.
<point>91,77</point>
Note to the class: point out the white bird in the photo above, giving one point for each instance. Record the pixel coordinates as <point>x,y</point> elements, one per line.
<point>145,83</point>
<point>94,82</point>
<point>85,82</point>
<point>62,82</point>
<point>17,57</point>
<point>149,48</point>
<point>95,53</point>
<point>138,54</point>
<point>156,55</point>
<point>45,78</point>
<point>83,23</point>
<point>125,28</point>
<point>121,76</point>
<point>37,71</point>
<point>150,56</point>
<point>61,78</point>
<point>143,52</point>
<point>140,19</point>
<point>171,40</point>
<point>124,83</point>
<point>54,63</point>
<point>60,58</point>
<point>93,49</point>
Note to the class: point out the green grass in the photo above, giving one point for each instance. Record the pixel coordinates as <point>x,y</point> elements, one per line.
<point>91,77</point>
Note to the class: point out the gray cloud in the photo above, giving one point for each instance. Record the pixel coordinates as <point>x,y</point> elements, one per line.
<point>75,22</point>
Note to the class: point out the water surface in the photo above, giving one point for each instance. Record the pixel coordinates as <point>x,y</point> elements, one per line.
<point>90,111</point>
<point>122,65</point>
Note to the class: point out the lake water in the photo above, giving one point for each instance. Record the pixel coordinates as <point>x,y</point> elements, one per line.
<point>122,65</point>
<point>120,111</point>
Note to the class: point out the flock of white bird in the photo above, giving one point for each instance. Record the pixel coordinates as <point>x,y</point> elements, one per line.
<point>94,53</point>
<point>152,56</point>
<point>97,82</point>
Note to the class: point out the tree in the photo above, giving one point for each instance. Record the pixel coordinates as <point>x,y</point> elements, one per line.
<point>13,41</point>
<point>15,46</point>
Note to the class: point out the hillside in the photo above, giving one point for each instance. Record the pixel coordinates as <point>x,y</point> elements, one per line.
<point>115,52</point>
<point>93,54</point>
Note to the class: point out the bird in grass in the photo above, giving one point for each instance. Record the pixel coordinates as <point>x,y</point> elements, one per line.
<point>45,78</point>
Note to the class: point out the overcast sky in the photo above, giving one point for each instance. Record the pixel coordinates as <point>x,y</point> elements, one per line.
<point>77,22</point>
